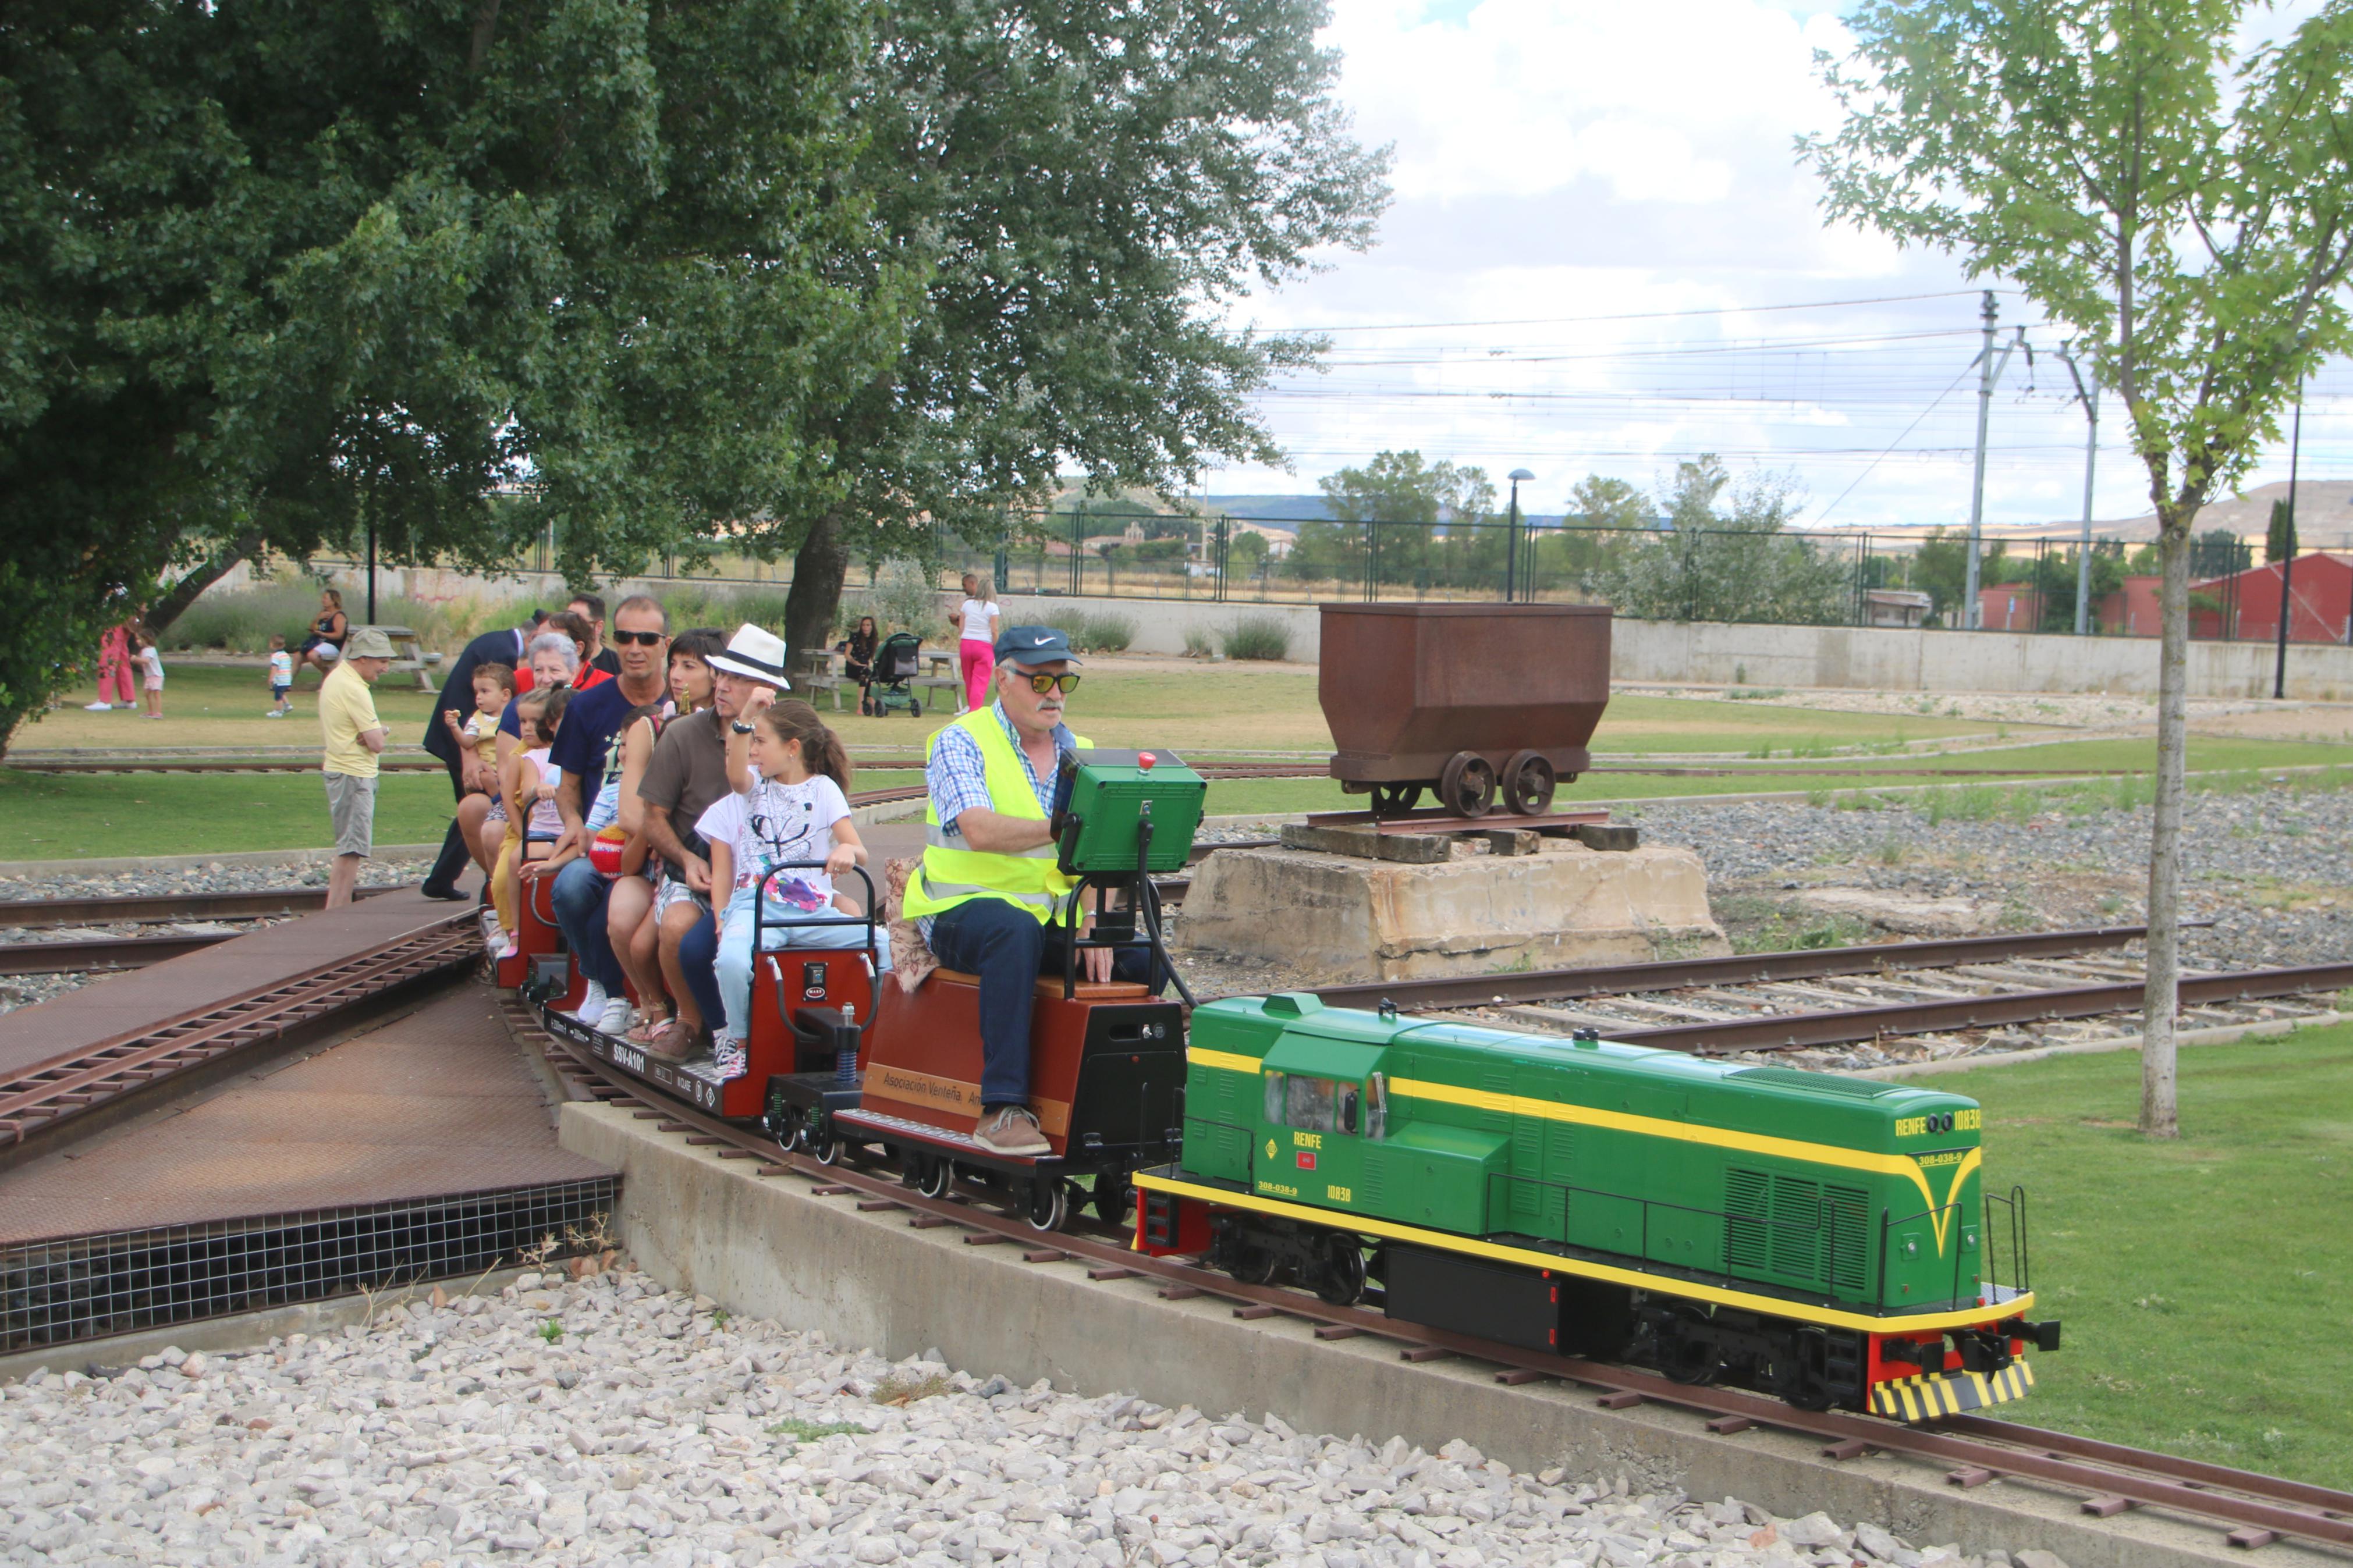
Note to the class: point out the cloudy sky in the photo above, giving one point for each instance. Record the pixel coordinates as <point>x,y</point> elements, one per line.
<point>1602,257</point>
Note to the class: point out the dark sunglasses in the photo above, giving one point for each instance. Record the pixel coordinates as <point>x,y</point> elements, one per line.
<point>643,639</point>
<point>1042,684</point>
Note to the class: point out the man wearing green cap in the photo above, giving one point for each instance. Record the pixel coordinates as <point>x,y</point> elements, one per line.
<point>990,884</point>
<point>354,736</point>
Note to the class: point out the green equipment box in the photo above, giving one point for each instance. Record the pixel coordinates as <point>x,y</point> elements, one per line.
<point>1104,797</point>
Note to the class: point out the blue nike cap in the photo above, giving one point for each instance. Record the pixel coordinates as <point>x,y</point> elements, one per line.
<point>1028,646</point>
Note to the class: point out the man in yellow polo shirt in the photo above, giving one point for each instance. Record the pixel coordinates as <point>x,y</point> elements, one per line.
<point>353,737</point>
<point>989,883</point>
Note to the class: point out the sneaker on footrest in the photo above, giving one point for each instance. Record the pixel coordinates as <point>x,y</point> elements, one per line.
<point>1012,1130</point>
<point>727,1055</point>
<point>617,1017</point>
<point>592,1004</point>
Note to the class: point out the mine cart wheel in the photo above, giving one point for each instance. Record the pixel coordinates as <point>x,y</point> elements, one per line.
<point>1395,799</point>
<point>937,1178</point>
<point>1340,1271</point>
<point>1047,1204</point>
<point>1467,787</point>
<point>1527,784</point>
<point>828,1150</point>
<point>1256,1266</point>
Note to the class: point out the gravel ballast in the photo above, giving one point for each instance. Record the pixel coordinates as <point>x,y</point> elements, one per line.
<point>606,1420</point>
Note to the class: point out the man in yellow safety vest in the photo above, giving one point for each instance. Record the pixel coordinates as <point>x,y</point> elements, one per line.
<point>988,884</point>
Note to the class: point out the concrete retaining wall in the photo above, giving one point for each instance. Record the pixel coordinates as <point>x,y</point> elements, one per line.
<point>1703,652</point>
<point>769,1249</point>
<point>1863,657</point>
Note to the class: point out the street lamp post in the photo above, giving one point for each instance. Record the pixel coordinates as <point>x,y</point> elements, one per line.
<point>1512,538</point>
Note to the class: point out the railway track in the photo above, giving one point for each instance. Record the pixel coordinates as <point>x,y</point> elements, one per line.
<point>73,1086</point>
<point>148,909</point>
<point>2255,1509</point>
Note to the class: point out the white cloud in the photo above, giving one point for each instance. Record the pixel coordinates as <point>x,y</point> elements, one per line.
<point>1566,159</point>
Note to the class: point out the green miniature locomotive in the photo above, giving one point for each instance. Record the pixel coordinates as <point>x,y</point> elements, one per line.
<point>1821,1238</point>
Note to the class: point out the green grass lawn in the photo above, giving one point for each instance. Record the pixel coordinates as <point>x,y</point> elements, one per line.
<point>1204,707</point>
<point>52,817</point>
<point>2202,1282</point>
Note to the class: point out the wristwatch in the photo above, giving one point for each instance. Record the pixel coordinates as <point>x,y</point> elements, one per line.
<point>740,727</point>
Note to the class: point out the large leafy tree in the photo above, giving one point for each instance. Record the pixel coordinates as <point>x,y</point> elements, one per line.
<point>1087,188</point>
<point>273,272</point>
<point>2179,199</point>
<point>1727,555</point>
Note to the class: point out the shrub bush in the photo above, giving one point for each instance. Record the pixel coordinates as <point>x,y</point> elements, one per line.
<point>902,599</point>
<point>1258,637</point>
<point>1094,632</point>
<point>1199,644</point>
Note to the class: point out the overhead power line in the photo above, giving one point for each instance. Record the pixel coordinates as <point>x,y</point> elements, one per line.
<point>1638,315</point>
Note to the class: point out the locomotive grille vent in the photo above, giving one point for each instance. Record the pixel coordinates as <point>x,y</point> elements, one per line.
<point>1845,1212</point>
<point>1780,1226</point>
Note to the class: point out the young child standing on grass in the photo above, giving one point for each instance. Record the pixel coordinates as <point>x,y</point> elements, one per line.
<point>790,772</point>
<point>151,660</point>
<point>281,677</point>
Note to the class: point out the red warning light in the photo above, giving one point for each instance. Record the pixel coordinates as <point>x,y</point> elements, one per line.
<point>1144,760</point>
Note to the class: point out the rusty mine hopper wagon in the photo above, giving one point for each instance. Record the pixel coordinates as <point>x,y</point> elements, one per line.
<point>1468,703</point>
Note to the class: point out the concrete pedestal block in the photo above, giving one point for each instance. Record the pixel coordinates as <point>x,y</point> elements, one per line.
<point>1355,920</point>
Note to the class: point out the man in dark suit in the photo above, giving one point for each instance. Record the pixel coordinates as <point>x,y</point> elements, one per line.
<point>505,647</point>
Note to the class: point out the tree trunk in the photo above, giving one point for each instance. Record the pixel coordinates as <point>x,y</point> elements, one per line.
<point>182,593</point>
<point>815,598</point>
<point>2158,1113</point>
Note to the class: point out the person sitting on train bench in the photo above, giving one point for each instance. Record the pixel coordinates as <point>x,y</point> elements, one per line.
<point>687,776</point>
<point>988,882</point>
<point>591,763</point>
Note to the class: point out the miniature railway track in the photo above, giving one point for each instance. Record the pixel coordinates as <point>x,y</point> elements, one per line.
<point>144,908</point>
<point>2255,1509</point>
<point>1740,969</point>
<point>85,955</point>
<point>59,1091</point>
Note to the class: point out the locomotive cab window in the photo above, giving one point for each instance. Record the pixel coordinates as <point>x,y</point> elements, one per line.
<point>1311,1104</point>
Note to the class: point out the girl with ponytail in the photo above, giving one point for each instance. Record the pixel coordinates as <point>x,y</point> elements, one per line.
<point>791,804</point>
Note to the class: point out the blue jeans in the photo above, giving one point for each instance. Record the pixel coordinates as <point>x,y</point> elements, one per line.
<point>1009,948</point>
<point>579,898</point>
<point>734,962</point>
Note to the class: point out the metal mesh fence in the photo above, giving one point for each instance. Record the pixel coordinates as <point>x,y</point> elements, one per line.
<point>57,1291</point>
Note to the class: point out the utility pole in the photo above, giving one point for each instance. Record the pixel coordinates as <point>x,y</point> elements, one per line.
<point>2091,400</point>
<point>1972,612</point>
<point>2287,562</point>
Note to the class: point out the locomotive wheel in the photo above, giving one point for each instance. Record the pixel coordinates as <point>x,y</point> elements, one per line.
<point>1527,784</point>
<point>1047,1205</point>
<point>1395,799</point>
<point>937,1178</point>
<point>828,1150</point>
<point>1115,1196</point>
<point>1688,1359</point>
<point>1340,1272</point>
<point>1256,1266</point>
<point>1467,787</point>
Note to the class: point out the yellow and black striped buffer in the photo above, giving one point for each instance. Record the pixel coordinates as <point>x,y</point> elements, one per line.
<point>1927,1396</point>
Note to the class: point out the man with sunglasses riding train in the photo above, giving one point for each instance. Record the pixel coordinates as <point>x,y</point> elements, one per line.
<point>989,885</point>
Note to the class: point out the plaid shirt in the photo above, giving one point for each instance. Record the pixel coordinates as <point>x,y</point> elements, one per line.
<point>958,777</point>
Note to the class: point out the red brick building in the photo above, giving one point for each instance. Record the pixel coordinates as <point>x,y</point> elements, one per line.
<point>2244,606</point>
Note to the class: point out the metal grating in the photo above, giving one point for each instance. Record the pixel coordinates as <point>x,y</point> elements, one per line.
<point>59,1292</point>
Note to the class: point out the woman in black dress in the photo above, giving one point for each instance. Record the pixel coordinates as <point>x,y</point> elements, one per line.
<point>857,661</point>
<point>329,632</point>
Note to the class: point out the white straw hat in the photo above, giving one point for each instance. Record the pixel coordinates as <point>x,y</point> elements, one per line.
<point>756,655</point>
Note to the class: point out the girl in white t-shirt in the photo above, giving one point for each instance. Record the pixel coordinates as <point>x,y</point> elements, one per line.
<point>975,628</point>
<point>792,774</point>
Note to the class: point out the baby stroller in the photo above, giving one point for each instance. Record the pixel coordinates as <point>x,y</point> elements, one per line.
<point>895,666</point>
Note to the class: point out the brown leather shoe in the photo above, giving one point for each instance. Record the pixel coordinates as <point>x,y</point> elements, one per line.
<point>1012,1130</point>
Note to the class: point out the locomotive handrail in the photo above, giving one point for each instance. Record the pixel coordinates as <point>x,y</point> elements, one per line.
<point>1817,1231</point>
